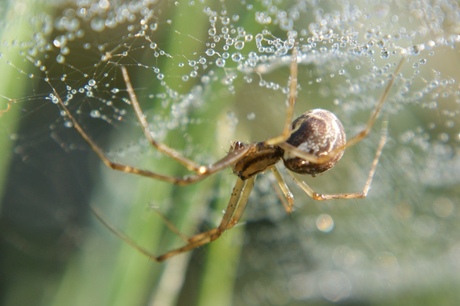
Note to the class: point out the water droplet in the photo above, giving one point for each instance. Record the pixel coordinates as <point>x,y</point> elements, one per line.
<point>220,62</point>
<point>415,49</point>
<point>263,18</point>
<point>205,79</point>
<point>236,57</point>
<point>251,116</point>
<point>384,53</point>
<point>60,41</point>
<point>239,45</point>
<point>354,88</point>
<point>60,58</point>
<point>98,24</point>
<point>444,137</point>
<point>325,223</point>
<point>248,38</point>
<point>95,113</point>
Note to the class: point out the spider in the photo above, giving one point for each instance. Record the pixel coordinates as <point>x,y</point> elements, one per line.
<point>312,144</point>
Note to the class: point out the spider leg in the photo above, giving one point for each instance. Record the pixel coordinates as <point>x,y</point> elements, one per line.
<point>355,195</point>
<point>242,202</point>
<point>189,164</point>
<point>170,225</point>
<point>370,123</point>
<point>232,215</point>
<point>288,197</point>
<point>204,172</point>
<point>121,235</point>
<point>291,102</point>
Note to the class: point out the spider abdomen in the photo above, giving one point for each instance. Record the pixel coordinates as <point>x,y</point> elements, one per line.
<point>316,132</point>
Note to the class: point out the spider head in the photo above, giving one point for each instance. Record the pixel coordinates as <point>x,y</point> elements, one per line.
<point>237,145</point>
<point>317,132</point>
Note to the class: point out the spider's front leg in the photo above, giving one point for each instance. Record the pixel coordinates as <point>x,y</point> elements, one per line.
<point>201,171</point>
<point>188,163</point>
<point>291,102</point>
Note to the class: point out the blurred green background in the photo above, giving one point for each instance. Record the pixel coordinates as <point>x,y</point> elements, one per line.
<point>400,246</point>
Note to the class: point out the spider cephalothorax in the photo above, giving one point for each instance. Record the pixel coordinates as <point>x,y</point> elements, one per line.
<point>259,158</point>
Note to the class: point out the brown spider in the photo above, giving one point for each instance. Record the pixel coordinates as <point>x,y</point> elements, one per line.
<point>312,144</point>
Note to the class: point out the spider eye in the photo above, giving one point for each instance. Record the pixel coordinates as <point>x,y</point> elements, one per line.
<point>236,145</point>
<point>315,132</point>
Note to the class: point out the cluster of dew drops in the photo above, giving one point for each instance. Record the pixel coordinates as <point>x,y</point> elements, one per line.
<point>230,45</point>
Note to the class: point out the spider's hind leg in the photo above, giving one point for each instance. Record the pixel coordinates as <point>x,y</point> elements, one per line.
<point>355,195</point>
<point>232,215</point>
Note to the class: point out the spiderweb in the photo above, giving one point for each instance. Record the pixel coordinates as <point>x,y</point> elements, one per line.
<point>207,73</point>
